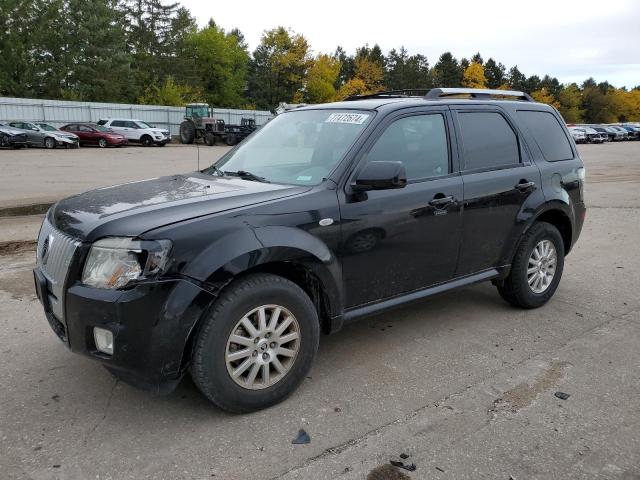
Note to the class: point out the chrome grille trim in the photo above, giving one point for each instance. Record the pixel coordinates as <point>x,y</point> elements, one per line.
<point>58,256</point>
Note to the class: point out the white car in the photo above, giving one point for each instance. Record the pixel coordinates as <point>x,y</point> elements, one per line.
<point>137,131</point>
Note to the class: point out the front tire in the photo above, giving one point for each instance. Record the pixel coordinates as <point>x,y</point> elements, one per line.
<point>256,344</point>
<point>146,141</point>
<point>102,143</point>
<point>49,143</point>
<point>536,269</point>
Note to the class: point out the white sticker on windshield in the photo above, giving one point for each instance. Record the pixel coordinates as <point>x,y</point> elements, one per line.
<point>353,118</point>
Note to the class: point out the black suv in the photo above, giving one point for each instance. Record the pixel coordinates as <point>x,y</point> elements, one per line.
<point>326,214</point>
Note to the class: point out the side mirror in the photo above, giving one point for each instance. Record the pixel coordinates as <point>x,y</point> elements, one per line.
<point>35,129</point>
<point>380,176</point>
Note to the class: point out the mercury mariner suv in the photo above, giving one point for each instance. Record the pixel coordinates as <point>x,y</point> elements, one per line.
<point>326,214</point>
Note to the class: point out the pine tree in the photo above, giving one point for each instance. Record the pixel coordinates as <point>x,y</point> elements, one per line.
<point>495,74</point>
<point>447,71</point>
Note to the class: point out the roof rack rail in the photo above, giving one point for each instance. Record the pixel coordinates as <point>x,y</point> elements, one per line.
<point>480,93</point>
<point>406,92</point>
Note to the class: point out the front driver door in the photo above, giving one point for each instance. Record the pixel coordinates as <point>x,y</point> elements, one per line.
<point>401,240</point>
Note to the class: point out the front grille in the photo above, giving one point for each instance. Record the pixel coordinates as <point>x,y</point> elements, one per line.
<point>54,254</point>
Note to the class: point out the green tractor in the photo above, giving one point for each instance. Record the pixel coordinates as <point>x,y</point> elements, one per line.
<point>199,123</point>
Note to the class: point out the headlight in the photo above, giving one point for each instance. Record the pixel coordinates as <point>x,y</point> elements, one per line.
<point>115,262</point>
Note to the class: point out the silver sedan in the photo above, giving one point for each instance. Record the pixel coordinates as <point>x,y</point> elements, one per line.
<point>42,134</point>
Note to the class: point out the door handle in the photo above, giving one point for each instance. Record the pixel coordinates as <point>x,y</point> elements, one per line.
<point>526,186</point>
<point>442,201</point>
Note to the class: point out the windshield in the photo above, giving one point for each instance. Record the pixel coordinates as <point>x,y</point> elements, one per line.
<point>47,127</point>
<point>100,128</point>
<point>144,124</point>
<point>298,147</point>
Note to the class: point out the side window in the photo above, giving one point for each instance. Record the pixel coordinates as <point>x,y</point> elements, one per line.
<point>487,140</point>
<point>132,125</point>
<point>118,123</point>
<point>102,122</point>
<point>82,128</point>
<point>419,141</point>
<point>548,134</point>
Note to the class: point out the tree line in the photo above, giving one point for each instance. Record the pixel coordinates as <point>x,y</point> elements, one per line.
<point>153,52</point>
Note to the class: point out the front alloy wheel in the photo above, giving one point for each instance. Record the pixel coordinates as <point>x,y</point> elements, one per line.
<point>256,344</point>
<point>102,143</point>
<point>262,347</point>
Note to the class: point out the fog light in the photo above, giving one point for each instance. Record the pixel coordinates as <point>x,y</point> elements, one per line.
<point>104,340</point>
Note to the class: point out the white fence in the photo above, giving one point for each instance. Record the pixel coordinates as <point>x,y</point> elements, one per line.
<point>59,112</point>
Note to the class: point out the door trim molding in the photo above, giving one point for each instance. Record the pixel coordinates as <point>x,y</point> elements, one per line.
<point>377,307</point>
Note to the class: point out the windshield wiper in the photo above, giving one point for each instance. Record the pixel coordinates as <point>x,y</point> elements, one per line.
<point>243,174</point>
<point>217,170</point>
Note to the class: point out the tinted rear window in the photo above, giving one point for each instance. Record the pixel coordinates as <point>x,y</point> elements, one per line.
<point>548,134</point>
<point>488,140</point>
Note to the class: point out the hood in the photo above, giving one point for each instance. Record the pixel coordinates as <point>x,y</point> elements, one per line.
<point>64,134</point>
<point>160,130</point>
<point>133,208</point>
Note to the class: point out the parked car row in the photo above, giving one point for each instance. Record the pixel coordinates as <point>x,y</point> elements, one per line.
<point>110,132</point>
<point>604,133</point>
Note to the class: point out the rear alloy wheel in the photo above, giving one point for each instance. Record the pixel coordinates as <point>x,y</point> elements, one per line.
<point>147,141</point>
<point>49,143</point>
<point>536,269</point>
<point>4,141</point>
<point>102,143</point>
<point>256,344</point>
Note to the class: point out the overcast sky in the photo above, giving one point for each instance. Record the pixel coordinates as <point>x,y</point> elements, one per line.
<point>569,40</point>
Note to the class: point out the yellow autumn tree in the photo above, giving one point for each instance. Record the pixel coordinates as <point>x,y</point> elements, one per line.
<point>544,96</point>
<point>321,79</point>
<point>474,76</point>
<point>368,78</point>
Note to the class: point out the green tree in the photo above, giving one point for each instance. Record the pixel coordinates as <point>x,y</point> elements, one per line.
<point>570,99</point>
<point>407,72</point>
<point>516,79</point>
<point>278,68</point>
<point>170,93</point>
<point>321,79</point>
<point>495,73</point>
<point>446,71</point>
<point>347,66</point>
<point>220,65</point>
<point>18,71</point>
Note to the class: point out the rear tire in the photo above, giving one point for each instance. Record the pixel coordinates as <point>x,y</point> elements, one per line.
<point>522,288</point>
<point>4,141</point>
<point>212,365</point>
<point>187,132</point>
<point>210,138</point>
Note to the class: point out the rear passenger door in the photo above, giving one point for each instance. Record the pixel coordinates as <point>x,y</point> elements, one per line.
<point>499,179</point>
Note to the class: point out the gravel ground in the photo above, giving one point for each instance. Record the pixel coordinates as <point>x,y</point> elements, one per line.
<point>463,384</point>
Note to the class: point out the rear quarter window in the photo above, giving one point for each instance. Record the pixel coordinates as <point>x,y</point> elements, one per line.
<point>548,134</point>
